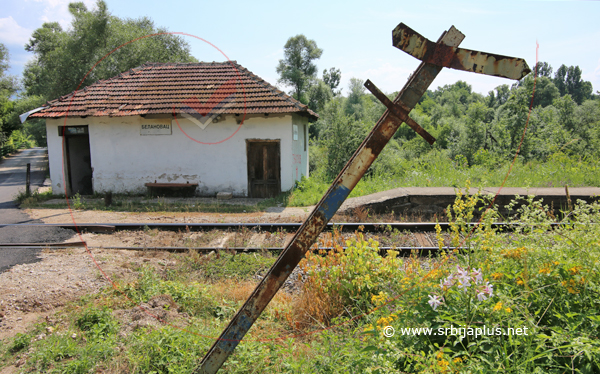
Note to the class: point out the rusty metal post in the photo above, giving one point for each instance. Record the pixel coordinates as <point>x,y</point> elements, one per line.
<point>28,180</point>
<point>323,212</point>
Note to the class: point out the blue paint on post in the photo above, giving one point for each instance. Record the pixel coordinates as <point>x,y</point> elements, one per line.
<point>333,201</point>
<point>235,335</point>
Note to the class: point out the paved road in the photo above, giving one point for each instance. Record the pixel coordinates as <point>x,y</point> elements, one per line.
<point>12,181</point>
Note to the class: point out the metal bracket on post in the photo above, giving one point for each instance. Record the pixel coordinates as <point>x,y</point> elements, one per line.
<point>341,187</point>
<point>399,112</point>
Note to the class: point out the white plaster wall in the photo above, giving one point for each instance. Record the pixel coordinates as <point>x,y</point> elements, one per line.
<point>55,155</point>
<point>123,160</point>
<point>299,155</point>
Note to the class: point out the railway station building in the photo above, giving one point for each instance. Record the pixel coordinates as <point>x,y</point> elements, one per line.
<point>214,125</point>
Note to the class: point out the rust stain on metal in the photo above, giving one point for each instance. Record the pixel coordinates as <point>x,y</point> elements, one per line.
<point>439,54</point>
<point>399,112</point>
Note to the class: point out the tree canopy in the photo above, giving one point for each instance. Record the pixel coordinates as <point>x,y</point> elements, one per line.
<point>297,69</point>
<point>568,81</point>
<point>8,83</point>
<point>332,78</point>
<point>64,57</point>
<point>468,126</point>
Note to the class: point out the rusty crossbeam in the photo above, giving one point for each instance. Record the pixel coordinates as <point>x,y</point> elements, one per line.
<point>452,57</point>
<point>399,112</point>
<point>323,212</point>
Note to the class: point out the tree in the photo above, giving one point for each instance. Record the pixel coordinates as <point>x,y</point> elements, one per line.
<point>8,83</point>
<point>63,57</point>
<point>297,69</point>
<point>543,69</point>
<point>512,117</point>
<point>342,135</point>
<point>353,105</point>
<point>319,94</point>
<point>545,92</point>
<point>332,78</point>
<point>568,81</point>
<point>36,127</point>
<point>8,87</point>
<point>566,109</point>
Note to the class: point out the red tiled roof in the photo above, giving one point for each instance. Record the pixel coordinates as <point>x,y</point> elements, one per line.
<point>155,88</point>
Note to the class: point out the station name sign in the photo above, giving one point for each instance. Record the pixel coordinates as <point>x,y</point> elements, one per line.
<point>156,129</point>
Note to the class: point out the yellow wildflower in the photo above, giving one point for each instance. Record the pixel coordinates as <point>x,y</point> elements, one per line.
<point>507,310</point>
<point>443,364</point>
<point>379,299</point>
<point>498,306</point>
<point>574,270</point>
<point>570,286</point>
<point>457,360</point>
<point>545,270</point>
<point>497,276</point>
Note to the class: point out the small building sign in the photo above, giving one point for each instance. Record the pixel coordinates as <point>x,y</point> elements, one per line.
<point>72,130</point>
<point>156,129</point>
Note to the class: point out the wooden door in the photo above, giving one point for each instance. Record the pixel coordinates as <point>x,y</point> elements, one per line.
<point>264,178</point>
<point>79,162</point>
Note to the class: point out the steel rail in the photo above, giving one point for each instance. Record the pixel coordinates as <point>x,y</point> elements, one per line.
<point>273,227</point>
<point>403,250</point>
<point>45,245</point>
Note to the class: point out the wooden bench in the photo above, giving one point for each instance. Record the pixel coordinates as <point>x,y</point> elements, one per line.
<point>172,189</point>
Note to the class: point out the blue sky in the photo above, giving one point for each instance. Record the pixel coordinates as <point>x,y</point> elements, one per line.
<point>354,35</point>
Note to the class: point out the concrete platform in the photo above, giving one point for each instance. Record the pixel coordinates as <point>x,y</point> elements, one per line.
<point>432,201</point>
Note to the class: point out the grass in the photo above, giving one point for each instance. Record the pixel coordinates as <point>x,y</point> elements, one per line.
<point>431,170</point>
<point>125,203</point>
<point>141,203</point>
<point>225,265</point>
<point>436,170</point>
<point>545,280</point>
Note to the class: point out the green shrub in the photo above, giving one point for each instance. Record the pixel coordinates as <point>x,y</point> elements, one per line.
<point>192,298</point>
<point>20,342</point>
<point>97,322</point>
<point>166,350</point>
<point>546,281</point>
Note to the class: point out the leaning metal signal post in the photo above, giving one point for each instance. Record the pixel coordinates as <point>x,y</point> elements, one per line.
<point>434,56</point>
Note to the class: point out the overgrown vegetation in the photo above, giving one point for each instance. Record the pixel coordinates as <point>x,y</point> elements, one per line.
<point>477,136</point>
<point>436,169</point>
<point>133,203</point>
<point>542,280</point>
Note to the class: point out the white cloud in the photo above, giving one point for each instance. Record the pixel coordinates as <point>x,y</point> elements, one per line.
<point>58,11</point>
<point>11,33</point>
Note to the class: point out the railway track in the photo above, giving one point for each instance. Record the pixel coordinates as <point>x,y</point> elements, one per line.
<point>403,250</point>
<point>419,232</point>
<point>266,227</point>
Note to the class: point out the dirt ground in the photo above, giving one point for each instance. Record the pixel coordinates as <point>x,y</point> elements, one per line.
<point>273,214</point>
<point>38,290</point>
<point>31,292</point>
